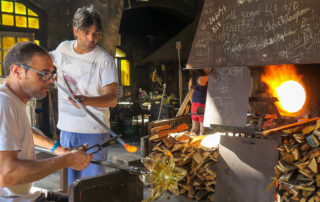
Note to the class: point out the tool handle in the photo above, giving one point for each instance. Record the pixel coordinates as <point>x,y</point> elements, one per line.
<point>93,149</point>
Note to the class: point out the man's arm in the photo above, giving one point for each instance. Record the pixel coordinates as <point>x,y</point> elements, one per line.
<point>14,171</point>
<point>43,141</point>
<point>108,99</point>
<point>202,80</point>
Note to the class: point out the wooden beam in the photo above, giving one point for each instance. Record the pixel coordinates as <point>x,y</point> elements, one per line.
<point>297,124</point>
<point>185,102</point>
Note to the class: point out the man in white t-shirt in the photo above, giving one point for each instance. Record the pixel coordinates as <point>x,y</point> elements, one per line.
<point>89,73</point>
<point>30,69</point>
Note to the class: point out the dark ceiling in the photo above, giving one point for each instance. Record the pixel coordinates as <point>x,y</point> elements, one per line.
<point>146,26</point>
<point>142,22</point>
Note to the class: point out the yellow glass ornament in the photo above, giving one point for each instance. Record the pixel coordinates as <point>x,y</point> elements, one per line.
<point>163,176</point>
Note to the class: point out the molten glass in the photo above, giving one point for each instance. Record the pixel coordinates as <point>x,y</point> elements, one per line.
<point>163,176</point>
<point>130,148</point>
<point>291,96</point>
<point>285,84</point>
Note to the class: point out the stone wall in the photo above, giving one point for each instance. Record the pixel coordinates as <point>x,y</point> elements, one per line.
<point>59,14</point>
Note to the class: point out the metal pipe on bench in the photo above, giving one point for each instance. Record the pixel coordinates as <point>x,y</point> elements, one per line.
<point>130,169</point>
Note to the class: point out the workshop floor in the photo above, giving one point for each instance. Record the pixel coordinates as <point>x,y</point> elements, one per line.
<point>116,154</point>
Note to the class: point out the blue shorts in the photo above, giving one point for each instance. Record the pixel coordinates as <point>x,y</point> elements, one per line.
<point>72,140</point>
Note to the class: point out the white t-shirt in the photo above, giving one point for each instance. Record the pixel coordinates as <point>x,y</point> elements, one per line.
<point>15,135</point>
<point>83,74</point>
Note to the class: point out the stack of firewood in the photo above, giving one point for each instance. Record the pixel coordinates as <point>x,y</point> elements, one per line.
<point>297,171</point>
<point>200,162</point>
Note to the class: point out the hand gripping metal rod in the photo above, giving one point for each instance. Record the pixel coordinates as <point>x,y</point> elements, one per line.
<point>113,134</point>
<point>130,169</point>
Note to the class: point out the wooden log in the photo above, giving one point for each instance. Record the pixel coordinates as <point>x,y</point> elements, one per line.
<point>198,163</point>
<point>318,181</point>
<point>178,147</point>
<point>187,187</point>
<point>169,142</point>
<point>156,129</point>
<point>192,192</point>
<point>197,182</point>
<point>200,177</point>
<point>185,160</point>
<point>308,129</point>
<point>210,177</point>
<point>211,197</point>
<point>286,176</point>
<point>293,130</point>
<point>183,191</point>
<point>212,168</point>
<point>201,194</point>
<point>285,167</point>
<point>197,157</point>
<point>209,183</point>
<point>179,128</point>
<point>210,189</point>
<point>183,138</point>
<point>306,172</point>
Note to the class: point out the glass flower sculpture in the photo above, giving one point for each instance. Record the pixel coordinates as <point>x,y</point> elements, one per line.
<point>163,175</point>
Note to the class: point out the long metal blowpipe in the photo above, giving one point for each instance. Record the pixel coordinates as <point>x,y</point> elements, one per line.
<point>130,169</point>
<point>128,147</point>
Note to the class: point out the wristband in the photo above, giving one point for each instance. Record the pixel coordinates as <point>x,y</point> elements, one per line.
<point>55,146</point>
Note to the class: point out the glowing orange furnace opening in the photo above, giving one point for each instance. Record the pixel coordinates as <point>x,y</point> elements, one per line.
<point>285,84</point>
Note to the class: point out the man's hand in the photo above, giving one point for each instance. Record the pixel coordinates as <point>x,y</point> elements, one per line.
<point>109,98</point>
<point>81,98</point>
<point>80,159</point>
<point>62,150</point>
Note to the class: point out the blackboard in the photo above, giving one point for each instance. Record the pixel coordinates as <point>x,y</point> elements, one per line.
<point>256,32</point>
<point>227,96</point>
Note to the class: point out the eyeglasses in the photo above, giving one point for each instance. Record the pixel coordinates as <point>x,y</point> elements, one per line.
<point>45,76</point>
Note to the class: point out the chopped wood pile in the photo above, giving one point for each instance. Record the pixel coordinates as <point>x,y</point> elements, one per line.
<point>297,172</point>
<point>199,162</point>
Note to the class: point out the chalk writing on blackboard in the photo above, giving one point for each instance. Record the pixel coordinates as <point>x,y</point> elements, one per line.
<point>256,32</point>
<point>227,96</point>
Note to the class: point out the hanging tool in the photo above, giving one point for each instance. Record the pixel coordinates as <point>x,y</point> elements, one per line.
<point>162,98</point>
<point>130,169</point>
<point>178,47</point>
<point>55,135</point>
<point>128,147</point>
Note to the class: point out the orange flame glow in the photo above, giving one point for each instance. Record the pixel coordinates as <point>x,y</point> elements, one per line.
<point>130,148</point>
<point>285,84</point>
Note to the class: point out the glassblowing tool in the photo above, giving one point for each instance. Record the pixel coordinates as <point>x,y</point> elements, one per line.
<point>130,169</point>
<point>97,147</point>
<point>128,147</point>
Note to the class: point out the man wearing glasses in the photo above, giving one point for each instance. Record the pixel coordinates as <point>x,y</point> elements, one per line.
<point>88,72</point>
<point>30,71</point>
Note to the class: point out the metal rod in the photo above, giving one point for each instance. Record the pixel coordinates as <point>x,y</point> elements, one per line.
<point>113,134</point>
<point>131,169</point>
<point>162,98</point>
